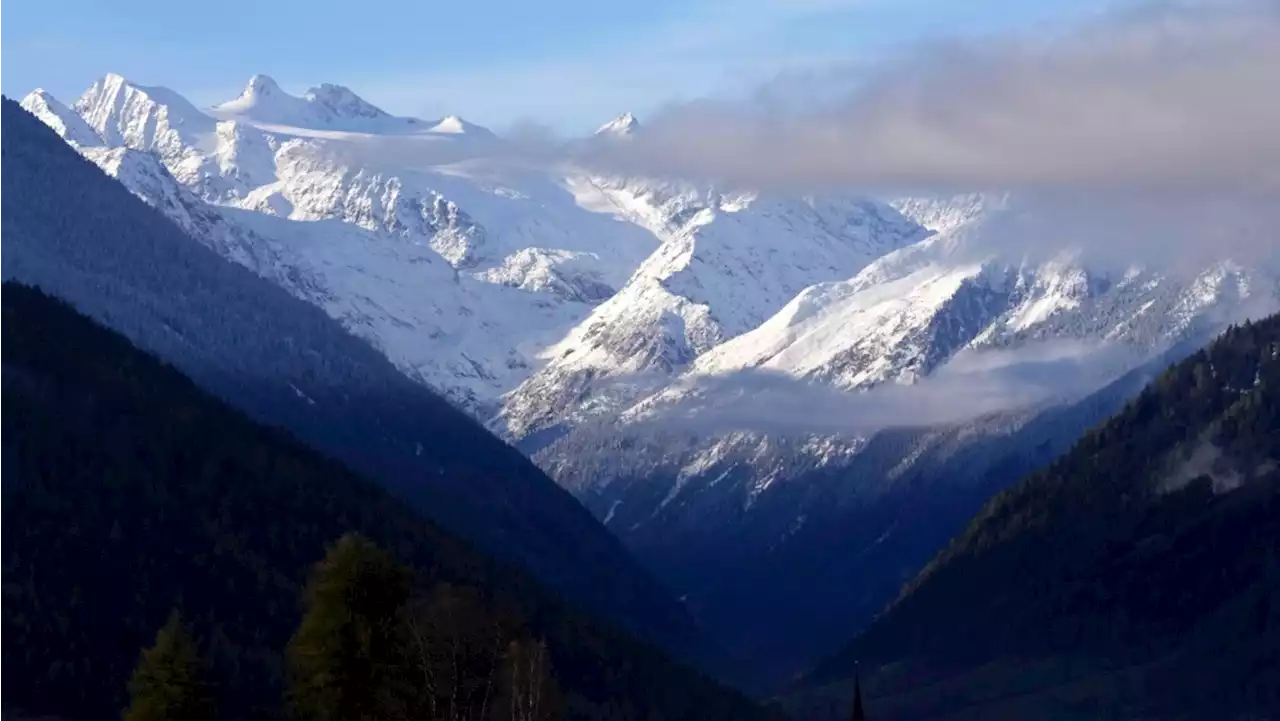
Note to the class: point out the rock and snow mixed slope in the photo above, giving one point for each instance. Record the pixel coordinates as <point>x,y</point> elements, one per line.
<point>910,311</point>
<point>727,262</point>
<point>593,317</point>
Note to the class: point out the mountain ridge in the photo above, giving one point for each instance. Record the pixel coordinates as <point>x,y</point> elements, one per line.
<point>328,107</point>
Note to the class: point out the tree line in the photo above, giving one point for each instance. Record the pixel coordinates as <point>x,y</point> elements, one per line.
<point>370,647</point>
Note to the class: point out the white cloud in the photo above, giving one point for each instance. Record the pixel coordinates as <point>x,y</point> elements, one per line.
<point>1143,137</point>
<point>972,384</point>
<point>1175,98</point>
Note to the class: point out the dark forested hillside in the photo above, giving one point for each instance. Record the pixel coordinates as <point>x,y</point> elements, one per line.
<point>129,491</point>
<point>80,235</point>
<point>1137,576</point>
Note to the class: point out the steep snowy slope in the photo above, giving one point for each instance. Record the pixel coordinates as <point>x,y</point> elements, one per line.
<point>64,121</point>
<point>144,175</point>
<point>728,261</point>
<point>943,214</point>
<point>897,320</point>
<point>381,224</point>
<point>159,121</point>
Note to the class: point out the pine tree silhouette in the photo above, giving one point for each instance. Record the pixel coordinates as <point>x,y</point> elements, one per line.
<point>858,713</point>
<point>344,661</point>
<point>169,683</point>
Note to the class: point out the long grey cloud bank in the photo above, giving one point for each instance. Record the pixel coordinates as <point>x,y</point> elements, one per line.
<point>1149,136</point>
<point>1168,98</point>
<point>974,383</point>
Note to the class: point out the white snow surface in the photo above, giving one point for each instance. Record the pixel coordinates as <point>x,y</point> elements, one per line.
<point>327,107</point>
<point>65,121</point>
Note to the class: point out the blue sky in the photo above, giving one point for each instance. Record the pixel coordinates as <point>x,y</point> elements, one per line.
<point>570,64</point>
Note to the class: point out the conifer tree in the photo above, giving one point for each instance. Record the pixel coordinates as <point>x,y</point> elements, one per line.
<point>169,683</point>
<point>344,661</point>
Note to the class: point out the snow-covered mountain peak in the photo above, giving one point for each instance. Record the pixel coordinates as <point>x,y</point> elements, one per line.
<point>623,126</point>
<point>140,116</point>
<point>114,88</point>
<point>108,85</point>
<point>325,107</point>
<point>64,121</point>
<point>329,107</point>
<point>263,100</point>
<point>154,120</point>
<point>342,102</point>
<point>454,125</point>
<point>261,86</point>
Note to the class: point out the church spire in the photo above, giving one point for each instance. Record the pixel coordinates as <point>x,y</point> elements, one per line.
<point>858,713</point>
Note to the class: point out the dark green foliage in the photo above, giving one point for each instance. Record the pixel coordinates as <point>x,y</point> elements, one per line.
<point>129,491</point>
<point>345,658</point>
<point>169,683</point>
<point>1149,556</point>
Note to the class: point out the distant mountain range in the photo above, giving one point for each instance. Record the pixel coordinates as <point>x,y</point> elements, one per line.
<point>682,357</point>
